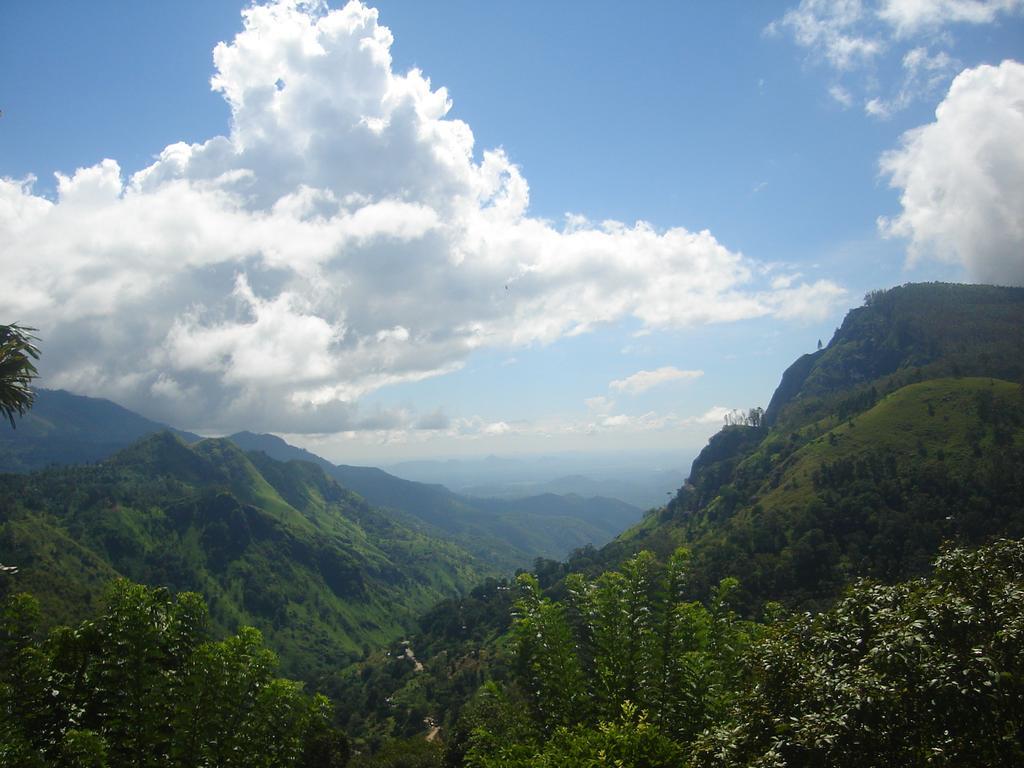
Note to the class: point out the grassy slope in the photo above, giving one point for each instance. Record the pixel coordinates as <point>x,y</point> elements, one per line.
<point>924,425</point>
<point>855,432</point>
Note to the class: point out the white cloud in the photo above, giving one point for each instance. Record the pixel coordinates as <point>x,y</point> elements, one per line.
<point>962,177</point>
<point>830,28</point>
<point>805,301</point>
<point>923,73</point>
<point>842,96</point>
<point>912,16</point>
<point>496,428</point>
<point>714,415</point>
<point>346,235</point>
<point>641,381</point>
<point>437,434</point>
<point>854,37</point>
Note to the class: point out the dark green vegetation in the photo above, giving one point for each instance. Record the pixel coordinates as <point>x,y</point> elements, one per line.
<point>928,672</point>
<point>276,545</point>
<point>143,684</point>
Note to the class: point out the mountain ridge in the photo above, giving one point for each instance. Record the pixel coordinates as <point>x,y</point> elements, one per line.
<point>934,374</point>
<point>64,428</point>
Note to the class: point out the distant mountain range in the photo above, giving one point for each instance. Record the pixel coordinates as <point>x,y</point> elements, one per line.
<point>64,429</point>
<point>642,479</point>
<point>509,533</point>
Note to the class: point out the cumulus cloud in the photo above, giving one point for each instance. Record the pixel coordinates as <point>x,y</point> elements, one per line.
<point>641,381</point>
<point>345,235</point>
<point>854,36</point>
<point>962,177</point>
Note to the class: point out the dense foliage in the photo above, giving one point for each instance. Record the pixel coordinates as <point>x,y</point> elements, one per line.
<point>626,651</point>
<point>929,672</point>
<point>419,684</point>
<point>624,672</point>
<point>142,684</point>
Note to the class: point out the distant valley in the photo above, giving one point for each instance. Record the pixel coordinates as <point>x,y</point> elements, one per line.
<point>642,480</point>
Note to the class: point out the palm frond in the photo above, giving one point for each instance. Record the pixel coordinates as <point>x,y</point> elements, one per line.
<point>17,369</point>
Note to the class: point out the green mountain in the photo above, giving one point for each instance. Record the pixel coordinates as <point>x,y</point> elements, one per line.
<point>905,432</point>
<point>280,546</point>
<point>62,428</point>
<point>510,533</point>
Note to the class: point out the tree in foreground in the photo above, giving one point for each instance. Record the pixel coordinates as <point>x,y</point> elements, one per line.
<point>142,685</point>
<point>626,671</point>
<point>926,672</point>
<point>17,370</point>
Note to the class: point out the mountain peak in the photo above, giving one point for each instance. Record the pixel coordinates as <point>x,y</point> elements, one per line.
<point>905,334</point>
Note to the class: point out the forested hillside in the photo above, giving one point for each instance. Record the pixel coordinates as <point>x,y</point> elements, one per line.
<point>276,545</point>
<point>62,428</point>
<point>907,430</point>
<point>65,429</point>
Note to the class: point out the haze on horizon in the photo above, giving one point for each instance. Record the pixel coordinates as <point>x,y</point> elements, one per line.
<point>457,231</point>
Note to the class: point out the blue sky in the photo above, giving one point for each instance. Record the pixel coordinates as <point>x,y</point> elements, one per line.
<point>779,129</point>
